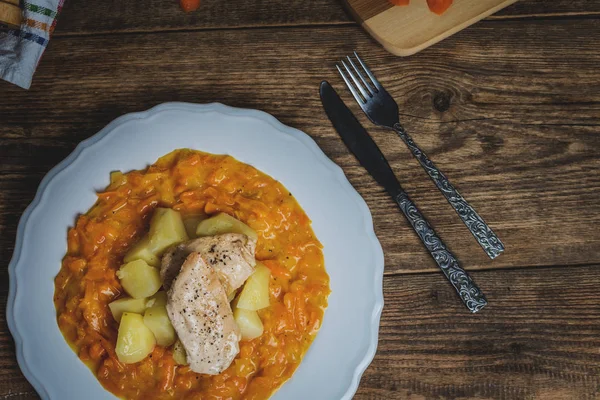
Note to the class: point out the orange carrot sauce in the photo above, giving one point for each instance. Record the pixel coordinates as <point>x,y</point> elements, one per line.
<point>192,182</point>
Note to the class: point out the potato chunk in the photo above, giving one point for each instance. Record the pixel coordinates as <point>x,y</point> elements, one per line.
<point>191,224</point>
<point>255,294</point>
<point>166,229</point>
<point>127,304</point>
<point>142,250</point>
<point>224,223</point>
<point>157,319</point>
<point>134,341</point>
<point>249,323</point>
<point>179,354</point>
<point>139,279</point>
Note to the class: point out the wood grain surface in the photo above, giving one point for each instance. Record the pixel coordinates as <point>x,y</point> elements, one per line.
<point>81,17</point>
<point>509,109</point>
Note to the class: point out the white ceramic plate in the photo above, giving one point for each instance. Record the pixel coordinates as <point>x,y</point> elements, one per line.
<point>347,340</point>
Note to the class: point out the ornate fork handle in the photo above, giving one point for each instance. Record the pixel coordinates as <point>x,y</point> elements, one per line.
<point>468,291</point>
<point>484,235</point>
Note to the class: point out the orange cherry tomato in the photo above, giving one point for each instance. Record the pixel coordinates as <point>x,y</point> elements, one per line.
<point>439,6</point>
<point>189,5</point>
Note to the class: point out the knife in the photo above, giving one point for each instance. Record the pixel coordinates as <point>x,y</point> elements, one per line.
<point>372,159</point>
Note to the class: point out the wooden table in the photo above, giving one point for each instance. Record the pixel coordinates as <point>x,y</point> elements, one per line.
<point>509,109</point>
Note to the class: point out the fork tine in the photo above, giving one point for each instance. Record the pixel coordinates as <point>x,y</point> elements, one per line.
<point>368,71</point>
<point>372,89</point>
<point>366,93</point>
<point>356,95</point>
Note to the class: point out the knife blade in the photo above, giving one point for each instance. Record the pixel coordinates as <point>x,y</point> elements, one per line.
<point>370,156</point>
<point>358,140</point>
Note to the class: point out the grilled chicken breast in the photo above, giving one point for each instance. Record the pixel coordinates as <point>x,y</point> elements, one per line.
<point>201,315</point>
<point>230,254</point>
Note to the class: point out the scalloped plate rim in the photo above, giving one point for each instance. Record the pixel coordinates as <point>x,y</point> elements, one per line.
<point>303,138</point>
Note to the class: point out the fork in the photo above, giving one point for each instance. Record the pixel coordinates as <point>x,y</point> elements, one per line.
<point>382,110</point>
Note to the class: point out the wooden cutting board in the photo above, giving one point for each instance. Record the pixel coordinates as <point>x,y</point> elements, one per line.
<point>10,13</point>
<point>406,30</point>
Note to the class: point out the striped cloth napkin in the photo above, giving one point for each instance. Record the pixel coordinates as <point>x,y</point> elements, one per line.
<point>21,49</point>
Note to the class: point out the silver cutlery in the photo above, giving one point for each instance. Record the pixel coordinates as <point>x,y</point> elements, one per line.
<point>382,110</point>
<point>370,157</point>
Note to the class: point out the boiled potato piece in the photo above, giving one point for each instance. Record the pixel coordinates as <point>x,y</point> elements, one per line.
<point>249,323</point>
<point>139,279</point>
<point>134,341</point>
<point>166,229</point>
<point>255,294</point>
<point>117,178</point>
<point>191,224</point>
<point>142,250</point>
<point>127,304</point>
<point>159,299</point>
<point>157,319</point>
<point>224,223</point>
<point>179,354</point>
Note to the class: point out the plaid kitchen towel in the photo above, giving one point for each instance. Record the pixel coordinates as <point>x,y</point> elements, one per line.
<point>21,49</point>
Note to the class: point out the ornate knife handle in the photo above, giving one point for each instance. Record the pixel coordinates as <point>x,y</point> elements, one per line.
<point>468,291</point>
<point>486,238</point>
